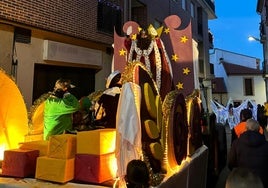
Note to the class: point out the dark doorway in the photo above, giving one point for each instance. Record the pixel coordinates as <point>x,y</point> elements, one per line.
<point>46,75</point>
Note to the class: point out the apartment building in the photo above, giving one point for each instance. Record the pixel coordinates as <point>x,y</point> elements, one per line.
<point>261,9</point>
<point>44,40</point>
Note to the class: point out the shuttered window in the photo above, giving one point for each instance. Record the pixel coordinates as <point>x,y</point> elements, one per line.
<point>109,16</point>
<point>22,35</point>
<point>248,87</point>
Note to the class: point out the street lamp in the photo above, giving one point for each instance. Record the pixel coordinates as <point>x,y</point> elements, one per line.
<point>263,41</point>
<point>251,38</point>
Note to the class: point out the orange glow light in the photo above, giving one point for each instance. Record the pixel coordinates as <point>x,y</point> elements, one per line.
<point>13,114</point>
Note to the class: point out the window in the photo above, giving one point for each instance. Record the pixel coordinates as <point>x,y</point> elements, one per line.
<point>192,10</point>
<point>200,21</point>
<point>183,4</point>
<point>109,17</point>
<point>22,35</point>
<point>248,86</point>
<point>211,66</point>
<point>201,66</point>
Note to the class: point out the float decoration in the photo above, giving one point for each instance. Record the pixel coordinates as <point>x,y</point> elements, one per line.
<point>193,104</point>
<point>165,142</point>
<point>13,114</point>
<point>36,115</point>
<point>176,130</point>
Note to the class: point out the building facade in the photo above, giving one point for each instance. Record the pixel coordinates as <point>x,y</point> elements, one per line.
<point>261,9</point>
<point>44,40</point>
<point>242,77</point>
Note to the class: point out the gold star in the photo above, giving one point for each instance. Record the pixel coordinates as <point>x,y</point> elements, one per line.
<point>139,29</point>
<point>175,57</point>
<point>179,85</point>
<point>186,71</point>
<point>122,52</point>
<point>166,30</point>
<point>133,37</point>
<point>184,39</point>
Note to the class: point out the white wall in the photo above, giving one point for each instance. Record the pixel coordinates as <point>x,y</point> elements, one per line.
<point>235,89</point>
<point>27,55</point>
<point>234,84</point>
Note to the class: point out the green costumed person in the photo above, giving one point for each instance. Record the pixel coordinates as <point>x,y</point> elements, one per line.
<point>58,110</point>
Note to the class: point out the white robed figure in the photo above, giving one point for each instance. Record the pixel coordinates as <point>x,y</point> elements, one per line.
<point>128,129</point>
<point>230,114</point>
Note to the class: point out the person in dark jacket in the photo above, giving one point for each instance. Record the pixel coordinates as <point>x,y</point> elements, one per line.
<point>250,151</point>
<point>245,114</point>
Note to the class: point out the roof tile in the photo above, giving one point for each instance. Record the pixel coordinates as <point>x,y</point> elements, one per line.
<point>233,69</point>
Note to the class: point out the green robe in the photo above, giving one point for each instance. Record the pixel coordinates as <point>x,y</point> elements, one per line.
<point>58,114</point>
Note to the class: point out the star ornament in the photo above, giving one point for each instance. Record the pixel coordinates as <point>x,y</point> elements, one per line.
<point>179,85</point>
<point>134,37</point>
<point>166,30</point>
<point>175,57</point>
<point>186,71</point>
<point>122,52</point>
<point>184,39</point>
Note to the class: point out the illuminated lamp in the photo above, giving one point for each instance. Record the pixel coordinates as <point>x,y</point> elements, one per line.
<point>13,114</point>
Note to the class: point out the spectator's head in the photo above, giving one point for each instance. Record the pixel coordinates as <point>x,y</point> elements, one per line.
<point>113,79</point>
<point>252,125</point>
<point>245,114</point>
<point>243,178</point>
<point>137,174</point>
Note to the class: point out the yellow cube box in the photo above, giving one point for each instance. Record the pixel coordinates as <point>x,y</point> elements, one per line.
<point>55,170</point>
<point>96,142</point>
<point>33,137</point>
<point>62,146</point>
<point>41,145</point>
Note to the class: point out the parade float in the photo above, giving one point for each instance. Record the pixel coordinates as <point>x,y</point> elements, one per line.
<point>158,120</point>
